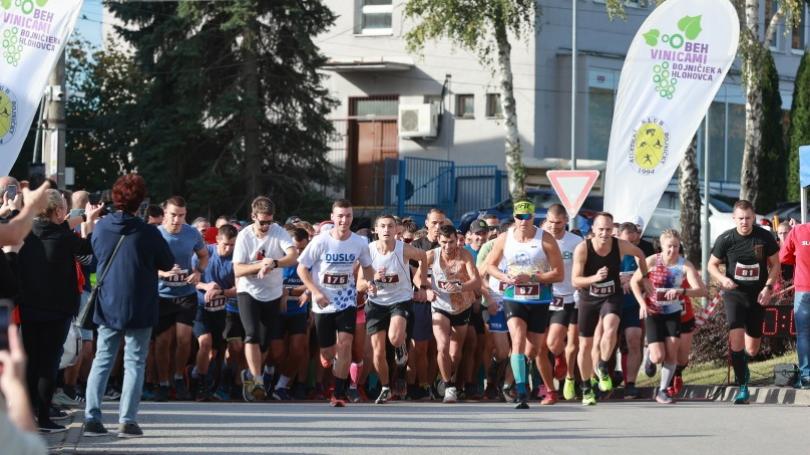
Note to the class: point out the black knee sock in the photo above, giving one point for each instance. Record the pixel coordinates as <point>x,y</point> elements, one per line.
<point>340,387</point>
<point>738,364</point>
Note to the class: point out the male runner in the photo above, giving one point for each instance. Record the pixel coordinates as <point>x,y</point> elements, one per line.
<point>387,311</point>
<point>178,299</point>
<point>453,280</point>
<point>597,264</point>
<point>331,257</point>
<point>262,250</point>
<point>563,340</point>
<point>630,325</point>
<point>216,289</point>
<point>533,263</point>
<point>751,259</point>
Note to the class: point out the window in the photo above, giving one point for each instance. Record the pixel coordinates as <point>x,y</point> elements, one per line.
<point>494,108</point>
<point>375,17</point>
<point>798,39</point>
<point>770,8</point>
<point>465,106</point>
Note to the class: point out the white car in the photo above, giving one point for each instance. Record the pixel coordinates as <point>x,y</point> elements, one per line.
<point>668,216</point>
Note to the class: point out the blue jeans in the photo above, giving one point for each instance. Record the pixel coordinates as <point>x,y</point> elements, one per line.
<point>801,318</point>
<point>135,350</point>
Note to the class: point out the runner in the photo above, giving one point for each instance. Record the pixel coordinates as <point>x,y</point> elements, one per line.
<point>562,340</point>
<point>262,250</point>
<point>388,311</point>
<point>420,364</point>
<point>533,263</point>
<point>178,298</point>
<point>597,264</point>
<point>292,349</point>
<point>332,257</point>
<point>662,308</point>
<point>453,280</point>
<point>751,259</point>
<point>215,290</point>
<point>630,326</point>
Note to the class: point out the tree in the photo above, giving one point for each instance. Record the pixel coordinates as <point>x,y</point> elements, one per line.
<point>799,130</point>
<point>754,53</point>
<point>232,104</point>
<point>483,27</point>
<point>689,193</point>
<point>772,164</point>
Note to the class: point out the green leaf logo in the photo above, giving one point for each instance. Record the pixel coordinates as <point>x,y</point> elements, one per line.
<point>651,37</point>
<point>41,3</point>
<point>690,26</point>
<point>6,4</point>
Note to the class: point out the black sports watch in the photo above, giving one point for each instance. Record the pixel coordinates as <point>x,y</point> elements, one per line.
<point>275,264</point>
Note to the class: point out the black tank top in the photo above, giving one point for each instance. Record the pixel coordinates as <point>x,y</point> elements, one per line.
<point>610,285</point>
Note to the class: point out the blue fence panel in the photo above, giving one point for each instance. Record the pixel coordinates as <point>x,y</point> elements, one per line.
<point>477,187</point>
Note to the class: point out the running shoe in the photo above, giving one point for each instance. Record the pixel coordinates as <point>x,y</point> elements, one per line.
<point>281,394</point>
<point>605,382</point>
<point>247,385</point>
<point>588,398</point>
<point>62,400</point>
<point>162,394</point>
<point>353,394</point>
<point>522,401</point>
<point>649,367</point>
<point>336,402</point>
<point>57,415</point>
<point>508,393</point>
<point>663,398</point>
<point>743,395</point>
<point>569,389</point>
<point>111,394</point>
<point>93,428</point>
<point>385,395</point>
<point>258,392</point>
<point>491,393</point>
<point>630,392</point>
<point>401,355</point>
<point>181,390</point>
<point>560,367</point>
<point>221,394</point>
<point>129,430</point>
<point>148,394</point>
<point>48,427</point>
<point>450,395</point>
<point>550,398</point>
<point>677,385</point>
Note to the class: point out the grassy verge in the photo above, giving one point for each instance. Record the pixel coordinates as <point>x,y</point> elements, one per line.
<point>713,374</point>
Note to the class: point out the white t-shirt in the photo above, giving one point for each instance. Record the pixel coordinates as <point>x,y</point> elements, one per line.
<point>250,249</point>
<point>567,246</point>
<point>331,262</point>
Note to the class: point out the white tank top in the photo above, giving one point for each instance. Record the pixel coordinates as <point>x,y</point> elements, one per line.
<point>397,285</point>
<point>528,258</point>
<point>496,288</point>
<point>567,246</point>
<point>453,303</point>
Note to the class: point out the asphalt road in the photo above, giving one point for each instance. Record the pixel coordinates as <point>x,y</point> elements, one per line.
<point>639,427</point>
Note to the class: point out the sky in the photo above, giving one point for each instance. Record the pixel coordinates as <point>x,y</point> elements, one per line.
<point>89,23</point>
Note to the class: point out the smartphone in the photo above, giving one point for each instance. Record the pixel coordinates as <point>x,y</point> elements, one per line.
<point>76,212</point>
<point>11,191</point>
<point>5,319</point>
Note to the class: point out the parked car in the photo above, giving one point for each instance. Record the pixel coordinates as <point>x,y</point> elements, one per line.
<point>668,216</point>
<point>542,198</point>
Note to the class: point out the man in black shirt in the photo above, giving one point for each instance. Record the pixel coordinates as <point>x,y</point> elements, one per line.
<point>751,259</point>
<point>644,245</point>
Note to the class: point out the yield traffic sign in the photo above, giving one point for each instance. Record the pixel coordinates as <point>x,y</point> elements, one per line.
<point>572,187</point>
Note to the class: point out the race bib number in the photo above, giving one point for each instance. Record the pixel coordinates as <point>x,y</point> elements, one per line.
<point>527,291</point>
<point>216,304</point>
<point>661,297</point>
<point>743,272</point>
<point>557,303</point>
<point>389,279</point>
<point>176,280</point>
<point>502,286</point>
<point>602,289</point>
<point>443,286</point>
<point>335,279</point>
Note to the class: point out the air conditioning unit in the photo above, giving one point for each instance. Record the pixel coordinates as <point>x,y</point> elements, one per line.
<point>418,120</point>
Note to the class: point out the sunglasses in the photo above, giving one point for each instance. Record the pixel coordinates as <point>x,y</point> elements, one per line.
<point>523,216</point>
<point>265,223</point>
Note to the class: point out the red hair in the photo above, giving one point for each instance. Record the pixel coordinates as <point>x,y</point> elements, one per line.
<point>128,192</point>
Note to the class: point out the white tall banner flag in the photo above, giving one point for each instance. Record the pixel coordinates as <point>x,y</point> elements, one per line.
<point>33,34</point>
<point>673,69</point>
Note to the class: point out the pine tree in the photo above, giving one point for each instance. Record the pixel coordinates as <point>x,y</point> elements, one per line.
<point>772,163</point>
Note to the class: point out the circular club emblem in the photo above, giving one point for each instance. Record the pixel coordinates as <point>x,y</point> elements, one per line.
<point>650,146</point>
<point>8,115</point>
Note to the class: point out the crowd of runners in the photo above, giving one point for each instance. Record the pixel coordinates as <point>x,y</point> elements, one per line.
<point>511,311</point>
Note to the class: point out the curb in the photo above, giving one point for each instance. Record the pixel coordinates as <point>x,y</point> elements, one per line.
<point>759,395</point>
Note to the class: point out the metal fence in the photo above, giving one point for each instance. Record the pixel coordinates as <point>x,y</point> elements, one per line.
<point>415,185</point>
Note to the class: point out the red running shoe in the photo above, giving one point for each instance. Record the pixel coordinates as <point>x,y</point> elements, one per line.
<point>560,367</point>
<point>550,398</point>
<point>336,402</point>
